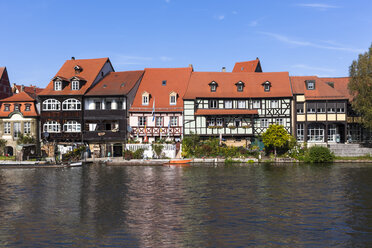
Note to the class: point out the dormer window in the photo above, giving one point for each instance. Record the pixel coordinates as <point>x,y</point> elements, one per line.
<point>57,85</point>
<point>145,98</point>
<point>28,107</point>
<point>6,107</point>
<point>239,86</point>
<point>173,98</point>
<point>164,83</point>
<point>267,86</point>
<point>213,86</point>
<point>310,84</point>
<point>16,107</point>
<point>75,85</point>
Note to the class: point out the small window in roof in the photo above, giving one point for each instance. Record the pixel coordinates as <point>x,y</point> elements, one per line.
<point>213,86</point>
<point>267,86</point>
<point>164,83</point>
<point>122,85</point>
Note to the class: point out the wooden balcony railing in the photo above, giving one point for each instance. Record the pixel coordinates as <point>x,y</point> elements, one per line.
<point>156,131</point>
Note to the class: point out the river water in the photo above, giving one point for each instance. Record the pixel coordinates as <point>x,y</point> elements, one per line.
<point>199,206</point>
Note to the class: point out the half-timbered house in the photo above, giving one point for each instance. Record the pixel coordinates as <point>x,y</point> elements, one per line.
<point>62,100</point>
<point>157,110</point>
<point>238,106</point>
<point>320,112</point>
<point>106,112</point>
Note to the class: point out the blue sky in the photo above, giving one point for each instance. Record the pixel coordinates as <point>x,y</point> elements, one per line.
<point>302,37</point>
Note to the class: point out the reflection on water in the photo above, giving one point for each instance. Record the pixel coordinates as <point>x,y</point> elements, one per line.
<point>200,206</point>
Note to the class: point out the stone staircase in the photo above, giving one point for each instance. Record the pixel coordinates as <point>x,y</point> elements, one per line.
<point>349,150</point>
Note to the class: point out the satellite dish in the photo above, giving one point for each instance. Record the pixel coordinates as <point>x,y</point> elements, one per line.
<point>46,134</point>
<point>129,129</point>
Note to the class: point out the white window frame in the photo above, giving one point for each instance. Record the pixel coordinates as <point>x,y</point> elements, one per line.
<point>145,99</point>
<point>27,127</point>
<point>75,85</point>
<point>300,132</point>
<point>241,104</point>
<point>211,122</point>
<point>219,122</point>
<point>52,127</point>
<point>213,104</point>
<point>142,121</point>
<point>71,104</point>
<point>228,104</point>
<point>7,127</point>
<point>274,104</point>
<point>310,85</point>
<point>158,121</point>
<point>58,85</point>
<point>256,104</point>
<point>264,123</point>
<point>315,133</point>
<point>173,99</point>
<point>16,129</point>
<point>173,121</point>
<point>279,121</point>
<point>51,105</point>
<point>72,127</point>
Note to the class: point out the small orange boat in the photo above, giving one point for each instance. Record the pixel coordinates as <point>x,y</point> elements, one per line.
<point>178,162</point>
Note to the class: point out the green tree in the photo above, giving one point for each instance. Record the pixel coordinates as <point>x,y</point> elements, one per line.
<point>360,86</point>
<point>275,136</point>
<point>26,139</point>
<point>2,146</point>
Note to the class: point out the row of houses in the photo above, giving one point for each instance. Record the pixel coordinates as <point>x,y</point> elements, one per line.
<point>87,102</point>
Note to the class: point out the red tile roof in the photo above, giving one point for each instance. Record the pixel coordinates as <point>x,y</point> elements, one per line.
<point>2,69</point>
<point>90,71</point>
<point>32,90</point>
<point>226,112</point>
<point>341,85</point>
<point>152,82</point>
<point>248,66</point>
<point>21,98</point>
<point>322,89</point>
<point>253,88</point>
<point>116,83</point>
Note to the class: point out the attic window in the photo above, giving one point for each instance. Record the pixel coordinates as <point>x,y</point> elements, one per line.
<point>145,98</point>
<point>75,85</point>
<point>164,83</point>
<point>239,86</point>
<point>310,84</point>
<point>28,107</point>
<point>105,85</point>
<point>267,86</point>
<point>173,98</point>
<point>122,85</point>
<point>7,107</point>
<point>213,86</point>
<point>58,85</point>
<point>332,84</point>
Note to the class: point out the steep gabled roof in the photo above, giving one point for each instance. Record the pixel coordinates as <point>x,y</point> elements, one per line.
<point>116,83</point>
<point>22,98</point>
<point>253,85</point>
<point>341,85</point>
<point>2,69</point>
<point>159,83</point>
<point>32,90</point>
<point>90,70</point>
<point>248,66</point>
<point>322,89</point>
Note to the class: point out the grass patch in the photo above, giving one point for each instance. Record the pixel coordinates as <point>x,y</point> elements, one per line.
<point>366,157</point>
<point>7,158</point>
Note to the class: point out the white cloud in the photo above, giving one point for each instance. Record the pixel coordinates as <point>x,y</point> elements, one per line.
<point>292,41</point>
<point>319,6</point>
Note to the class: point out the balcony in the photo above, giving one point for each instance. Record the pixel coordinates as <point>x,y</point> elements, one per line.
<point>156,131</point>
<point>104,114</point>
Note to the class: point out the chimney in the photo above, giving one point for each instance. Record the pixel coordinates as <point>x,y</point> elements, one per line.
<point>223,69</point>
<point>72,58</point>
<point>22,88</point>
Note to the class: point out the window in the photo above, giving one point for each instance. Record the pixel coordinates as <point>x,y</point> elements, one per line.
<point>7,107</point>
<point>28,107</point>
<point>174,121</point>
<point>52,127</point>
<point>241,104</point>
<point>264,123</point>
<point>332,133</point>
<point>164,83</point>
<point>145,99</point>
<point>331,110</point>
<point>108,105</point>
<point>213,104</point>
<point>228,104</point>
<point>340,107</point>
<point>256,104</point>
<point>267,86</point>
<point>311,107</point>
<point>310,84</point>
<point>237,122</point>
<point>315,133</point>
<point>274,104</point>
<point>159,121</point>
<point>51,104</point>
<point>16,129</point>
<point>321,108</point>
<point>120,104</point>
<point>211,122</point>
<point>75,85</point>
<point>300,132</point>
<point>213,86</point>
<point>71,104</point>
<point>173,100</point>
<point>300,108</point>
<point>16,107</point>
<point>27,127</point>
<point>239,86</point>
<point>6,127</point>
<point>58,85</point>
<point>219,122</point>
<point>97,105</point>
<point>142,121</point>
<point>71,127</point>
<point>279,121</point>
